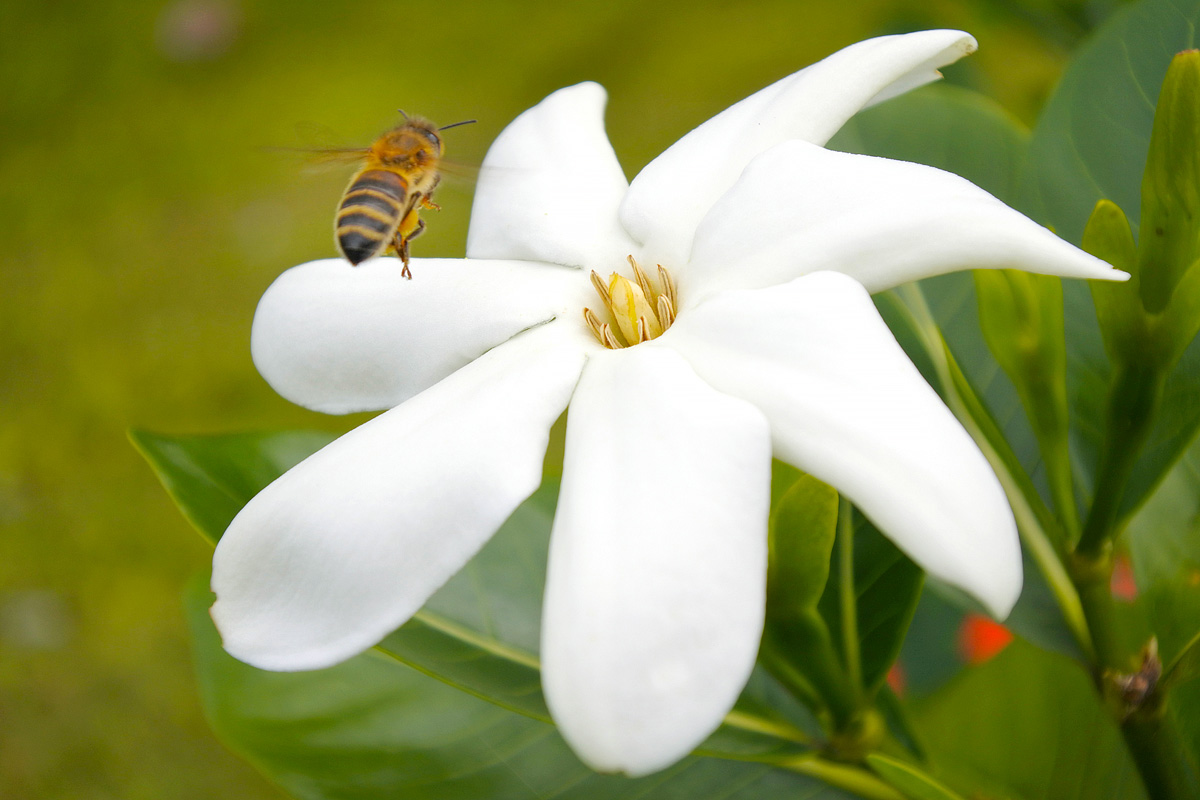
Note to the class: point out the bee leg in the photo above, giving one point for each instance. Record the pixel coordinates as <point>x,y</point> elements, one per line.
<point>400,245</point>
<point>427,198</point>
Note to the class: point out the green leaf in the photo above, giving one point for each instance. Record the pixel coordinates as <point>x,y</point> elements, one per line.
<point>1092,138</point>
<point>800,539</point>
<point>1164,547</point>
<point>797,647</point>
<point>210,478</point>
<point>479,633</point>
<point>1036,731</point>
<point>914,783</point>
<point>895,717</point>
<point>371,728</point>
<point>946,127</point>
<point>1090,144</point>
<point>887,586</point>
<point>1185,667</point>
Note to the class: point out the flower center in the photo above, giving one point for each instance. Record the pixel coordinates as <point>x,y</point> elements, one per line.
<point>640,310</point>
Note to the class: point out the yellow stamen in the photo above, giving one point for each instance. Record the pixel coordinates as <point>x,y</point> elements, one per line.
<point>642,281</point>
<point>668,284</point>
<point>666,311</point>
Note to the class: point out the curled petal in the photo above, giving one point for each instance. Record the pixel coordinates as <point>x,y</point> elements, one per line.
<point>656,582</point>
<point>801,208</point>
<point>337,338</point>
<point>668,198</point>
<point>550,185</point>
<point>347,545</point>
<point>847,406</point>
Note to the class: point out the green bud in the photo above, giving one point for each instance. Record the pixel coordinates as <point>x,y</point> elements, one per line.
<point>1118,305</point>
<point>1170,225</point>
<point>1021,315</point>
<point>1022,319</point>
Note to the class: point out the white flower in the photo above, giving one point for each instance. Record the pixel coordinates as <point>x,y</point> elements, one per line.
<point>655,589</point>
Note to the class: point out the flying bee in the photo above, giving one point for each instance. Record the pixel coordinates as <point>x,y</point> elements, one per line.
<point>381,208</point>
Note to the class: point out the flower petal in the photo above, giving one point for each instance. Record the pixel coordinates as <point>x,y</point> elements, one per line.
<point>668,198</point>
<point>549,187</point>
<point>801,208</point>
<point>656,583</point>
<point>847,406</point>
<point>347,545</point>
<point>337,338</point>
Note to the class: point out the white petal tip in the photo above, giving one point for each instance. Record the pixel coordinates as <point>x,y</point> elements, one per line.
<point>243,639</point>
<point>994,580</point>
<point>1002,601</point>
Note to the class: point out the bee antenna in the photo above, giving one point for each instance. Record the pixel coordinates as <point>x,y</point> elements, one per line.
<point>401,110</point>
<point>456,124</point>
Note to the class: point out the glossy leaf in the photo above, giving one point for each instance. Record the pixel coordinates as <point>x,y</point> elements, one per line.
<point>1037,732</point>
<point>1092,138</point>
<point>480,632</point>
<point>1185,667</point>
<point>1164,546</point>
<point>1090,143</point>
<point>895,717</point>
<point>371,728</point>
<point>797,646</point>
<point>887,586</point>
<point>914,783</point>
<point>800,537</point>
<point>946,127</point>
<point>210,478</point>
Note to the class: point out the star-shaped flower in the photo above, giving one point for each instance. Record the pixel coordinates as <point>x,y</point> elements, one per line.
<point>757,337</point>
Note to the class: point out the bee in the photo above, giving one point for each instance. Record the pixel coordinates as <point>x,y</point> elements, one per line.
<point>380,210</point>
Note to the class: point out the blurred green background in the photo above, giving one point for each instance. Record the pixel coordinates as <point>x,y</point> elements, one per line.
<point>143,211</point>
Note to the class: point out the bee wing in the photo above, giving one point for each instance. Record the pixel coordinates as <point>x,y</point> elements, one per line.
<point>316,159</point>
<point>458,169</point>
<point>459,173</point>
<point>321,148</point>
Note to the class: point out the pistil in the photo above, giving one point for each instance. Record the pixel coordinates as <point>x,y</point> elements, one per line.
<point>639,310</point>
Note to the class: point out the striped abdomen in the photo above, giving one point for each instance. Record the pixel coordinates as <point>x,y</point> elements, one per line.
<point>370,213</point>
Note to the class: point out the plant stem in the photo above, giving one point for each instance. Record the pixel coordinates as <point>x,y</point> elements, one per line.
<point>1162,759</point>
<point>1056,455</point>
<point>1092,576</point>
<point>1132,405</point>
